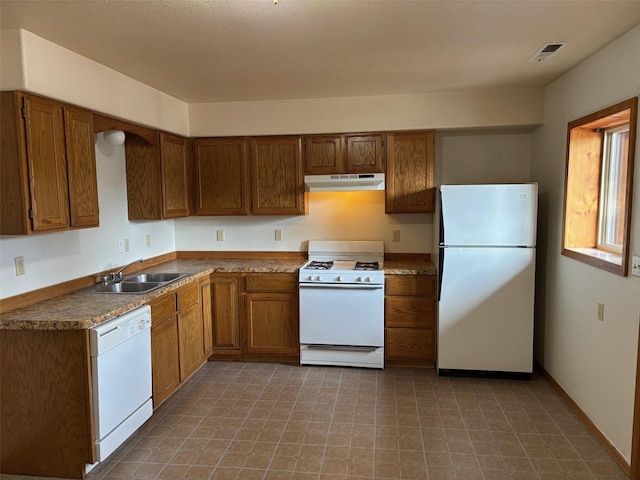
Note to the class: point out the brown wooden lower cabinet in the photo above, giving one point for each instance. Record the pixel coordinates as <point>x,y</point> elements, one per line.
<point>190,330</point>
<point>46,422</point>
<point>164,358</point>
<point>225,297</point>
<point>207,320</point>
<point>410,313</point>
<point>271,314</point>
<point>255,316</point>
<point>177,339</point>
<point>272,323</point>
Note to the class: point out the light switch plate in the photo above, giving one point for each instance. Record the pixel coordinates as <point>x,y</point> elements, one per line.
<point>220,235</point>
<point>635,266</point>
<point>278,235</point>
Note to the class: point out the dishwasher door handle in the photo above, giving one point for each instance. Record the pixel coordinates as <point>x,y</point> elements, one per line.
<point>341,286</point>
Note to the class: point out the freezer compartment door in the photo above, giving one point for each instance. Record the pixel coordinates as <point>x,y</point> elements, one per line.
<point>489,215</point>
<point>485,312</point>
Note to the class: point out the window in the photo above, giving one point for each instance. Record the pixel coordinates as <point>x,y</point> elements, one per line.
<point>598,187</point>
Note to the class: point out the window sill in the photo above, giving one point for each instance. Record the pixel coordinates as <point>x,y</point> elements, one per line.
<point>608,261</point>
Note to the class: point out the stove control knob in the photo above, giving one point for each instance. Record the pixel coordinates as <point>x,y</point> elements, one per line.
<point>359,279</point>
<point>338,279</point>
<point>318,278</point>
<point>367,279</point>
<point>309,278</point>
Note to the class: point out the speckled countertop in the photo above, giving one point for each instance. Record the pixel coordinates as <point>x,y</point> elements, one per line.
<point>409,267</point>
<point>79,310</point>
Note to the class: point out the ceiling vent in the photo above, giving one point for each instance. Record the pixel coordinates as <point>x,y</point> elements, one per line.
<point>546,51</point>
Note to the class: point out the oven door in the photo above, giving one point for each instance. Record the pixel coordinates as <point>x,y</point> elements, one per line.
<point>342,315</point>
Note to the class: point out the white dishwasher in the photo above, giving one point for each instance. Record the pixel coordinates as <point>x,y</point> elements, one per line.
<point>121,378</point>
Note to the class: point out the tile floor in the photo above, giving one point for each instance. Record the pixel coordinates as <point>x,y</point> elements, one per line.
<point>256,421</point>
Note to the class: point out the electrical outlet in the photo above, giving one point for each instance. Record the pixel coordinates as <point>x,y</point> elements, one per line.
<point>120,246</point>
<point>635,266</point>
<point>601,311</point>
<point>220,235</point>
<point>147,240</point>
<point>19,265</point>
<point>278,233</point>
<point>126,244</point>
<point>396,235</point>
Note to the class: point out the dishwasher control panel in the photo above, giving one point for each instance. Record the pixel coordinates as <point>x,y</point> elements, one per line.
<point>113,332</point>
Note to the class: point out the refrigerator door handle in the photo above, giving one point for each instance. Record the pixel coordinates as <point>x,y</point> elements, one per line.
<point>440,269</point>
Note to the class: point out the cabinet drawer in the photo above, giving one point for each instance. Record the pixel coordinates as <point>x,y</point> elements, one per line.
<point>405,311</point>
<point>271,282</point>
<point>410,285</point>
<point>163,307</point>
<point>188,295</point>
<point>410,343</point>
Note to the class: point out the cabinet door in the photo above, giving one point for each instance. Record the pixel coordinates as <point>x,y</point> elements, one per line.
<point>207,317</point>
<point>416,344</point>
<point>190,338</point>
<point>174,160</point>
<point>410,311</point>
<point>277,180</point>
<point>272,323</point>
<point>164,358</point>
<point>47,164</point>
<point>144,177</point>
<point>221,176</point>
<point>410,181</point>
<point>81,167</point>
<point>323,155</point>
<point>225,314</point>
<point>365,153</point>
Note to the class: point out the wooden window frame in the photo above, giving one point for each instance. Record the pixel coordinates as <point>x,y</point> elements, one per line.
<point>582,187</point>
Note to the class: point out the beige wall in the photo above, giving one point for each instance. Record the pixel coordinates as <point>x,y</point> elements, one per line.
<point>462,110</point>
<point>44,68</point>
<point>483,157</point>
<point>594,361</point>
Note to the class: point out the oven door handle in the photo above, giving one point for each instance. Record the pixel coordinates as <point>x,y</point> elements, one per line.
<point>341,286</point>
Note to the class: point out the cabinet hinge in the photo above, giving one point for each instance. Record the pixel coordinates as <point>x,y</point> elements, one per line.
<point>23,111</point>
<point>31,213</point>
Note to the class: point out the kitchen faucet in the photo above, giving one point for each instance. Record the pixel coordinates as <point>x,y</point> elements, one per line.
<point>115,277</point>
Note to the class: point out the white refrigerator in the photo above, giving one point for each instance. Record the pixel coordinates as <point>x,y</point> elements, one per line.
<point>486,265</point>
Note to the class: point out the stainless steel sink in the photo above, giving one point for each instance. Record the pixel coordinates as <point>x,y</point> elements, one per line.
<point>124,287</point>
<point>135,284</point>
<point>153,277</point>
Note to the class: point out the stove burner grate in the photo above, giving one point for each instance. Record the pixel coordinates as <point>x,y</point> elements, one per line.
<point>367,266</point>
<point>316,265</point>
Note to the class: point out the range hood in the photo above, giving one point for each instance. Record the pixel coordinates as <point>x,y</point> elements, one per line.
<point>344,182</point>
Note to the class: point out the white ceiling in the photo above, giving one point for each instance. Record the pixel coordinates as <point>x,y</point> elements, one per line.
<point>246,50</point>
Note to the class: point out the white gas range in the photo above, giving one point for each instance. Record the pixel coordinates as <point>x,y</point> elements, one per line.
<point>342,304</point>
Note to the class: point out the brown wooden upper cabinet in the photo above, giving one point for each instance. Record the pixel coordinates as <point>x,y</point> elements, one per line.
<point>48,176</point>
<point>353,153</point>
<point>174,161</point>
<point>158,170</point>
<point>410,180</point>
<point>157,177</point>
<point>221,168</point>
<point>276,176</point>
